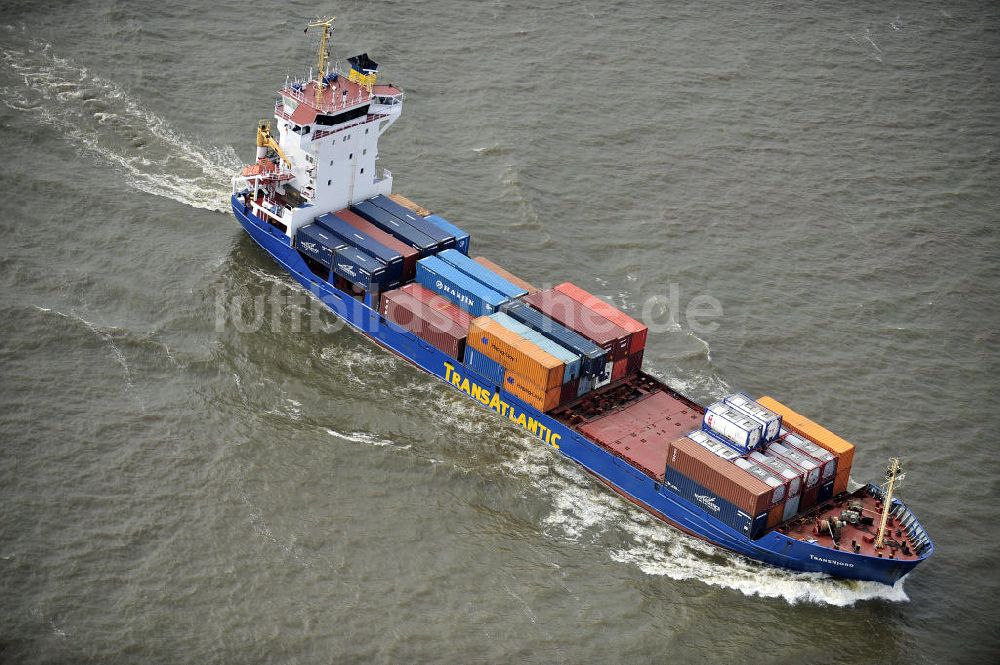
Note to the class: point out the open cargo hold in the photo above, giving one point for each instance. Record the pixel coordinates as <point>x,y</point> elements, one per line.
<point>479,273</point>
<point>444,326</point>
<point>393,260</point>
<point>718,487</point>
<point>412,205</point>
<point>569,359</point>
<point>359,269</point>
<point>642,432</point>
<point>559,306</point>
<point>462,238</point>
<point>410,254</point>
<point>593,358</point>
<point>638,331</point>
<point>770,420</point>
<point>444,239</point>
<point>506,274</point>
<point>819,435</point>
<point>739,429</point>
<point>725,479</point>
<point>516,354</point>
<point>827,460</point>
<point>397,228</point>
<point>316,243</point>
<point>449,282</point>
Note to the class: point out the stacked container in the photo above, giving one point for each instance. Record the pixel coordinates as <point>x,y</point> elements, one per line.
<point>810,468</point>
<point>393,260</point>
<point>461,237</point>
<point>786,471</point>
<point>445,239</point>
<point>740,430</point>
<point>451,283</point>
<point>638,332</point>
<point>409,254</point>
<point>770,421</point>
<point>720,488</point>
<point>483,275</point>
<point>557,305</point>
<point>530,373</point>
<point>570,360</point>
<point>430,317</point>
<point>397,228</point>
<point>318,244</point>
<point>593,357</point>
<point>359,269</point>
<point>403,201</point>
<point>708,441</point>
<point>819,435</point>
<point>513,279</point>
<point>827,460</point>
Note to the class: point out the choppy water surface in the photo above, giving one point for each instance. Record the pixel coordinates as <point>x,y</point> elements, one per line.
<point>200,465</point>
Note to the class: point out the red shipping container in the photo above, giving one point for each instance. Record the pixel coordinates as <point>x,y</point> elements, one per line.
<point>510,277</point>
<point>724,478</point>
<point>606,334</point>
<point>613,314</point>
<point>426,322</point>
<point>409,254</point>
<point>619,369</point>
<point>775,514</point>
<point>569,390</point>
<point>433,300</point>
<point>809,497</point>
<point>634,363</point>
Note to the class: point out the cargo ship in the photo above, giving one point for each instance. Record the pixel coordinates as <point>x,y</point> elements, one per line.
<point>748,475</point>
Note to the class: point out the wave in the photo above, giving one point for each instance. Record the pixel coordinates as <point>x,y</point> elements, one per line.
<point>102,118</point>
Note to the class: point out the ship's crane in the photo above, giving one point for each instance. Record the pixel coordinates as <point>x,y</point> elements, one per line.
<point>265,141</point>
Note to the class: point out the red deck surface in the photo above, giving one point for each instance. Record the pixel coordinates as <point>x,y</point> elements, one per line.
<point>807,527</point>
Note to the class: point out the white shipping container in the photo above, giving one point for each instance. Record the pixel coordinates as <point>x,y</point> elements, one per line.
<point>827,459</point>
<point>794,476</point>
<point>765,476</point>
<point>708,441</point>
<point>791,508</point>
<point>737,427</point>
<point>770,420</point>
<point>801,460</point>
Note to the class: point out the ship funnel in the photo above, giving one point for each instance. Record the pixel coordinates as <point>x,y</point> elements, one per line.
<point>363,70</point>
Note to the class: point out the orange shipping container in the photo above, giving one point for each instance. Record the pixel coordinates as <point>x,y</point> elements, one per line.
<point>515,354</point>
<point>613,314</point>
<point>819,435</point>
<point>407,203</point>
<point>543,400</point>
<point>513,279</point>
<point>775,514</point>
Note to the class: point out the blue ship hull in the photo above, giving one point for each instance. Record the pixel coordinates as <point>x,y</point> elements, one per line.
<point>774,548</point>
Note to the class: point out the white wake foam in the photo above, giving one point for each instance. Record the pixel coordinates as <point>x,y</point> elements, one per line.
<point>102,118</point>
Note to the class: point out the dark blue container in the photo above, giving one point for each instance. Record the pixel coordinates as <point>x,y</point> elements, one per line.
<point>481,273</point>
<point>594,358</point>
<point>398,228</point>
<point>462,238</point>
<point>451,283</point>
<point>825,492</point>
<point>317,243</point>
<point>713,504</point>
<point>393,260</point>
<point>446,239</point>
<point>488,367</point>
<point>358,268</point>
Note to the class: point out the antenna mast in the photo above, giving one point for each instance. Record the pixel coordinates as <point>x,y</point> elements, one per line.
<point>892,474</point>
<point>327,25</point>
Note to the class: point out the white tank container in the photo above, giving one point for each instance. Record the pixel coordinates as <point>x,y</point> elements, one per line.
<point>780,486</point>
<point>793,476</point>
<point>827,460</point>
<point>770,420</point>
<point>810,466</point>
<point>742,430</point>
<point>706,440</point>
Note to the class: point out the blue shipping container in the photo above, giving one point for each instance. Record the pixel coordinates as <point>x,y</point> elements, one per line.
<point>462,238</point>
<point>481,273</point>
<point>393,260</point>
<point>486,366</point>
<point>713,504</point>
<point>448,281</point>
<point>358,268</point>
<point>569,359</point>
<point>316,243</point>
<point>444,238</point>
<point>398,228</point>
<point>825,492</point>
<point>594,358</point>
